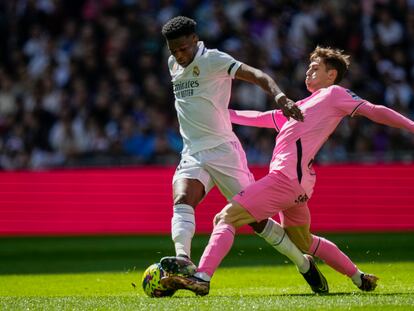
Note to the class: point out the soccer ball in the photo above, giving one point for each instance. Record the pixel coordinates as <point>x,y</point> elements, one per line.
<point>151,282</point>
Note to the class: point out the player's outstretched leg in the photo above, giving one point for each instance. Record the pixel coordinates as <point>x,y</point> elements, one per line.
<point>179,265</point>
<point>369,282</point>
<point>192,283</point>
<point>315,278</point>
<point>335,258</point>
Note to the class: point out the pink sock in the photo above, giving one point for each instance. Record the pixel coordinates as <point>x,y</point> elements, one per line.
<point>332,256</point>
<point>218,246</point>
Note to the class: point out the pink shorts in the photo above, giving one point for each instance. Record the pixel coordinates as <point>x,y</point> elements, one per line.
<point>275,193</point>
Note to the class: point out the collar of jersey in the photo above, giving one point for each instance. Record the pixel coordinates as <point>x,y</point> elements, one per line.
<point>201,49</point>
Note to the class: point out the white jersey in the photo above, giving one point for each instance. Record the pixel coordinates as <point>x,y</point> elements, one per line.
<point>202,93</point>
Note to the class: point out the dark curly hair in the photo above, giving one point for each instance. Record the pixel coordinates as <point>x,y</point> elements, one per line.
<point>178,26</point>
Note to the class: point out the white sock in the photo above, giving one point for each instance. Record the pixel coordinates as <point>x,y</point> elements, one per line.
<point>356,278</point>
<point>183,228</point>
<point>276,236</point>
<point>202,275</point>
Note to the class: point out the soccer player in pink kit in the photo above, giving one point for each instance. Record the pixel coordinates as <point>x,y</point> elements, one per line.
<point>289,184</point>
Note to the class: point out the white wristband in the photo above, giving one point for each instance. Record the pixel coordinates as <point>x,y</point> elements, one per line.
<point>278,96</point>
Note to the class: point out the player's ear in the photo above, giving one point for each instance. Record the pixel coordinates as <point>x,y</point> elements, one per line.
<point>332,74</point>
<point>194,38</point>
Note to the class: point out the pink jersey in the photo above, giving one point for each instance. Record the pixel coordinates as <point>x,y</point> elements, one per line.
<point>268,119</point>
<point>298,142</point>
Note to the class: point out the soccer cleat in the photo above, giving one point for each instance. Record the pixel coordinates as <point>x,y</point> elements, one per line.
<point>178,265</point>
<point>315,278</point>
<point>369,282</point>
<point>192,283</point>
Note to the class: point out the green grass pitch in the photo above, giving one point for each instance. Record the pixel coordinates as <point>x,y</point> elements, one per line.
<point>104,273</point>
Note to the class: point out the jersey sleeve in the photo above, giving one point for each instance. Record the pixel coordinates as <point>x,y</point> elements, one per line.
<point>268,119</point>
<point>384,115</point>
<point>223,64</point>
<point>346,101</point>
<point>279,119</point>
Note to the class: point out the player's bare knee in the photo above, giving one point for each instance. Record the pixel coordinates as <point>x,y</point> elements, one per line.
<point>224,216</point>
<point>227,219</point>
<point>217,219</point>
<point>184,198</point>
<point>180,199</point>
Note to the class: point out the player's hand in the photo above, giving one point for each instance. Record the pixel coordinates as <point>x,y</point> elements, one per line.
<point>289,108</point>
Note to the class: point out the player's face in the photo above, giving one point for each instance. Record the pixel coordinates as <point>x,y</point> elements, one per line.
<point>318,76</point>
<point>183,49</point>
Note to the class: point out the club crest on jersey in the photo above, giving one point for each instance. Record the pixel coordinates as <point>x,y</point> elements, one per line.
<point>353,95</point>
<point>196,71</point>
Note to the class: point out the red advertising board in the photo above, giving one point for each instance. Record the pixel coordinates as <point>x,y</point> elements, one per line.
<point>138,201</point>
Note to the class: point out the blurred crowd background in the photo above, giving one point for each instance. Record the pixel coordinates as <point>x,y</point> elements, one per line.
<point>85,82</point>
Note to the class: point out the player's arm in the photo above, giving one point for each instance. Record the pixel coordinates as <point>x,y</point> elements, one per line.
<point>267,119</point>
<point>258,77</point>
<point>383,115</point>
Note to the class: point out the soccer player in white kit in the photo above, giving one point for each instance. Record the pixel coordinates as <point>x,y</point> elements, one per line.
<point>212,154</point>
<point>289,184</point>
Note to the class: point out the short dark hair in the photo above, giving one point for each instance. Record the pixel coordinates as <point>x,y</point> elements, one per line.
<point>333,59</point>
<point>178,26</point>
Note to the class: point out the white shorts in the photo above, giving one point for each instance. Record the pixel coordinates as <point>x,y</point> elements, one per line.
<point>224,166</point>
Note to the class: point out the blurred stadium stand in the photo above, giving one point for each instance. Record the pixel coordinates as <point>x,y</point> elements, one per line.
<point>84,82</point>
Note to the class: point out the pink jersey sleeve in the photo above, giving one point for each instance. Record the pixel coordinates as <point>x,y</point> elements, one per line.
<point>268,119</point>
<point>279,118</point>
<point>345,101</point>
<point>386,116</point>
